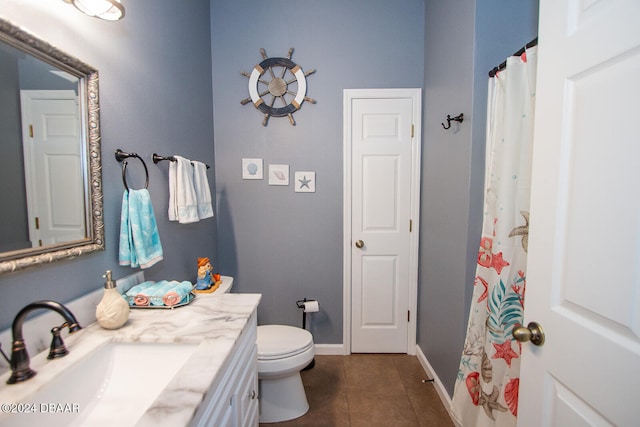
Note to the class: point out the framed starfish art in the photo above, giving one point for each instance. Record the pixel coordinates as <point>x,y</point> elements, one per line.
<point>305,182</point>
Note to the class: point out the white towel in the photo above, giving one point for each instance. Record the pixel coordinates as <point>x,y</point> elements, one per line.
<point>183,205</point>
<point>203,193</point>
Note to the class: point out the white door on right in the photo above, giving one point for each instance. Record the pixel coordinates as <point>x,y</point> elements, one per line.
<point>583,282</point>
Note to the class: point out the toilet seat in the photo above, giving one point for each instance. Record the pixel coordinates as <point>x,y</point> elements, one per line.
<point>281,341</point>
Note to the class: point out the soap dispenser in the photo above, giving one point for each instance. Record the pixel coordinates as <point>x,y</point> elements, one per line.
<point>113,310</point>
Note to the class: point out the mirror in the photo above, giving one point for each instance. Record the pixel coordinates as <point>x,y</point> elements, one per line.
<point>50,178</point>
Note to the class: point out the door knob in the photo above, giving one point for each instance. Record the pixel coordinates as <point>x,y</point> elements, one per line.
<point>359,244</point>
<point>532,332</point>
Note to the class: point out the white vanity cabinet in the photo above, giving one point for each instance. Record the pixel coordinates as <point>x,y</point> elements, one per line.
<point>232,400</point>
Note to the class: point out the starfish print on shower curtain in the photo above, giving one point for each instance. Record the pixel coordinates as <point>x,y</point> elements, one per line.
<point>522,230</point>
<point>486,257</point>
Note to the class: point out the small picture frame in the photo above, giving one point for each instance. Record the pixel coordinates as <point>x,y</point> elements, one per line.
<point>251,168</point>
<point>278,174</point>
<point>305,182</point>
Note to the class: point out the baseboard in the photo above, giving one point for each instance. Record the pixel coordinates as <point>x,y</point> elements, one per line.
<point>442,392</point>
<point>330,349</point>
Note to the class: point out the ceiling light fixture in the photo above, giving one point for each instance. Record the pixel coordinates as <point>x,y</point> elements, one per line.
<point>110,10</point>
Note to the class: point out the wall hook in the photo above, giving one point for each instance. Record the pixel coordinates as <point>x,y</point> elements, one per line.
<point>459,118</point>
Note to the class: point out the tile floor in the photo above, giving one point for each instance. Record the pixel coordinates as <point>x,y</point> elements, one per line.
<point>369,390</point>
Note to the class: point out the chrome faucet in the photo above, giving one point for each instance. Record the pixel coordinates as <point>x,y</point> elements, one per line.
<point>21,371</point>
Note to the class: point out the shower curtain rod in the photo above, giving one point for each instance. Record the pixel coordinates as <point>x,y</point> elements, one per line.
<point>502,66</point>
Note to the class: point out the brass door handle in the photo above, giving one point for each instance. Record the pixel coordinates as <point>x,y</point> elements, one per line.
<point>532,332</point>
<point>359,244</point>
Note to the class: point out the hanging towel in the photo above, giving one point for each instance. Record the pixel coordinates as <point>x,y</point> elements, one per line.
<point>203,193</point>
<point>183,205</point>
<point>140,244</point>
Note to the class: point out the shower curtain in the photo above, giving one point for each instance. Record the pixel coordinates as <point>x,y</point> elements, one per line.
<point>486,389</point>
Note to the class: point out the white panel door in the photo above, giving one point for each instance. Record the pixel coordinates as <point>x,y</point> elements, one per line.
<point>381,206</point>
<point>584,242</point>
<point>55,186</point>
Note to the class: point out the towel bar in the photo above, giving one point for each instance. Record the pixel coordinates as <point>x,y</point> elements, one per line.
<point>158,158</point>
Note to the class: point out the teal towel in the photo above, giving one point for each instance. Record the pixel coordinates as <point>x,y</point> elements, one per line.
<point>139,288</point>
<point>140,244</point>
<point>161,293</point>
<point>179,293</point>
<point>161,288</point>
<point>138,295</point>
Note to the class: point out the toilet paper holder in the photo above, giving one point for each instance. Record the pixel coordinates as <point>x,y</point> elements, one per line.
<point>302,304</point>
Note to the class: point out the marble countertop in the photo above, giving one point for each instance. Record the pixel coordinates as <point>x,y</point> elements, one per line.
<point>214,322</point>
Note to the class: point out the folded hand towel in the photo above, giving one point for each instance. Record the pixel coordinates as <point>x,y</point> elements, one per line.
<point>140,287</point>
<point>141,300</point>
<point>159,289</point>
<point>177,294</point>
<point>138,295</point>
<point>161,293</point>
<point>182,196</point>
<point>145,293</point>
<point>203,192</point>
<point>140,244</point>
<point>171,298</point>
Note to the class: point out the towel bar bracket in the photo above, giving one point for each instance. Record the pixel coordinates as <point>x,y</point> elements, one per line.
<point>158,158</point>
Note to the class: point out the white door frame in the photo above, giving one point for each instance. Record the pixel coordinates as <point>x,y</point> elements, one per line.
<point>348,96</point>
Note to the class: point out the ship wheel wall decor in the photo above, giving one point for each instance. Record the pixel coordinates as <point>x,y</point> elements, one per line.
<point>277,79</point>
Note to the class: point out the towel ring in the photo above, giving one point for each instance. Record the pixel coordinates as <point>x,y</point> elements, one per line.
<point>121,156</point>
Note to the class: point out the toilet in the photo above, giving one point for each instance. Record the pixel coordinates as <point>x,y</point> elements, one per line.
<point>283,351</point>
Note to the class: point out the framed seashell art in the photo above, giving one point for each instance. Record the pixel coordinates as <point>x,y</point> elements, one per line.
<point>278,174</point>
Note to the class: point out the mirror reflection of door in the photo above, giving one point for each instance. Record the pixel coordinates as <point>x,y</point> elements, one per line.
<point>53,166</point>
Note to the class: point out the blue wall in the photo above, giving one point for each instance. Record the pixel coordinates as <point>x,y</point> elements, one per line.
<point>283,244</point>
<point>462,44</point>
<point>155,88</point>
<point>446,163</point>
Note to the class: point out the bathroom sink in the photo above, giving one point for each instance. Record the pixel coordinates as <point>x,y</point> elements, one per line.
<point>114,384</point>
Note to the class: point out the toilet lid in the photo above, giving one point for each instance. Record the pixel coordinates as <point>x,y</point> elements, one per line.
<point>279,341</point>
